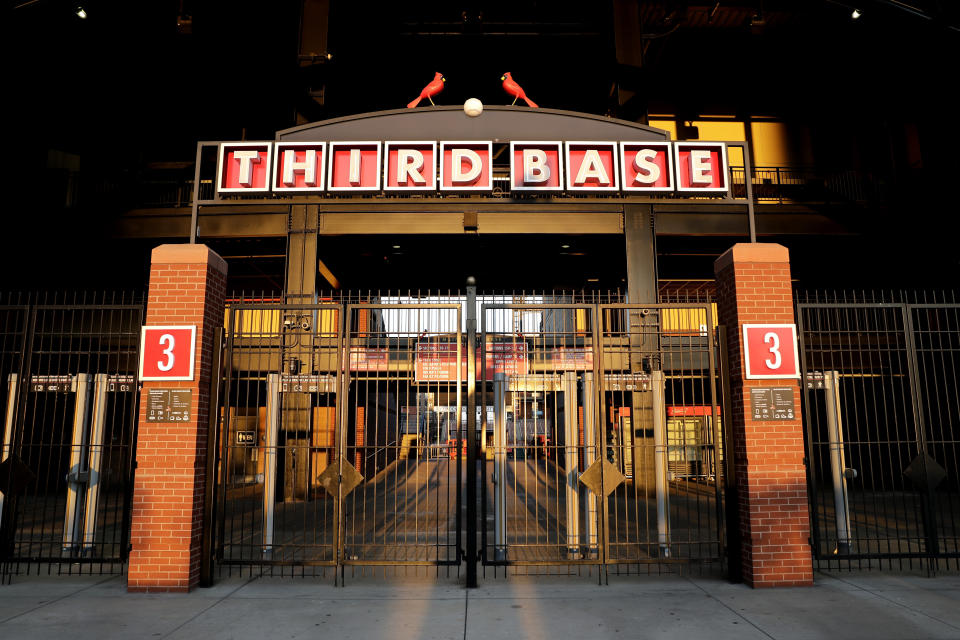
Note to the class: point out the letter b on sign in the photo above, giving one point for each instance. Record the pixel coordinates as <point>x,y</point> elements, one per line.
<point>770,351</point>
<point>167,353</point>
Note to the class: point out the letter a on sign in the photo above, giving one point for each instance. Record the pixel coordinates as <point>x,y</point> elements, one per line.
<point>167,353</point>
<point>770,351</point>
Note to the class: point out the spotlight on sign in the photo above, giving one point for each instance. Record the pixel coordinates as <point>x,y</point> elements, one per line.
<point>473,107</point>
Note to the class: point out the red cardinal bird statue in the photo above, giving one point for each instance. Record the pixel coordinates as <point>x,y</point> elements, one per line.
<point>432,89</point>
<point>516,91</point>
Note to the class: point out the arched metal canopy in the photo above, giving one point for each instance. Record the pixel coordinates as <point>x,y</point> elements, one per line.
<point>497,123</point>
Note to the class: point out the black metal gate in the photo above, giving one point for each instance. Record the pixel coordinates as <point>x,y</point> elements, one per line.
<point>602,443</point>
<point>882,407</point>
<point>344,437</point>
<point>340,439</point>
<point>70,407</point>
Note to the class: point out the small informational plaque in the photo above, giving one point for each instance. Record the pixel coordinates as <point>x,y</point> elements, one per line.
<point>772,403</point>
<point>169,405</point>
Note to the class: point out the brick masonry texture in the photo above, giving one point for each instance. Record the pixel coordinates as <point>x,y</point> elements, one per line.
<point>753,287</point>
<point>167,520</point>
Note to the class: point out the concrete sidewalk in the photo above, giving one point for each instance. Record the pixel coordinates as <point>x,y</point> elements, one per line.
<point>839,607</point>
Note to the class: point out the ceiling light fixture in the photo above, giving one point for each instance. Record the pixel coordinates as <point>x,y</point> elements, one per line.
<point>564,246</point>
<point>80,13</point>
<point>856,14</point>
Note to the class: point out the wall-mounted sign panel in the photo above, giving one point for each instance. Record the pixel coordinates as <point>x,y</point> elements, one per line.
<point>466,166</point>
<point>169,405</point>
<point>592,166</point>
<point>647,167</point>
<point>536,166</point>
<point>770,351</point>
<point>701,167</point>
<point>167,352</point>
<point>244,167</point>
<point>354,166</point>
<point>299,167</point>
<point>410,166</point>
<point>772,403</point>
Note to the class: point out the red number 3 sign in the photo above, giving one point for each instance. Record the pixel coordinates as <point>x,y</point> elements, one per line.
<point>770,351</point>
<point>167,353</point>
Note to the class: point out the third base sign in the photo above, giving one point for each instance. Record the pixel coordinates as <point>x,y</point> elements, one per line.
<point>770,351</point>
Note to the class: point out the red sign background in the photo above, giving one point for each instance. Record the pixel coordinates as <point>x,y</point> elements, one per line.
<point>428,171</point>
<point>770,351</point>
<point>551,151</point>
<point>608,158</point>
<point>299,177</point>
<point>230,167</point>
<point>718,168</point>
<point>340,166</point>
<point>167,353</point>
<point>628,153</point>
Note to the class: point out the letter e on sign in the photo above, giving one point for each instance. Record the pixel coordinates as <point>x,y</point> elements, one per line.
<point>770,351</point>
<point>167,353</point>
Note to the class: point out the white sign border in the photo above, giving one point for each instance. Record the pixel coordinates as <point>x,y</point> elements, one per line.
<point>280,147</point>
<point>391,144</point>
<point>239,145</point>
<point>614,154</point>
<point>193,350</point>
<point>331,156</point>
<point>686,145</point>
<point>626,185</point>
<point>529,143</point>
<point>466,143</point>
<point>746,353</point>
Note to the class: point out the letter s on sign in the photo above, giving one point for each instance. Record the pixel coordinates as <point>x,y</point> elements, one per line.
<point>170,342</point>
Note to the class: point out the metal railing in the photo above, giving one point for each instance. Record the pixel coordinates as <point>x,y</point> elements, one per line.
<point>772,185</point>
<point>785,185</point>
<point>882,377</point>
<point>69,393</point>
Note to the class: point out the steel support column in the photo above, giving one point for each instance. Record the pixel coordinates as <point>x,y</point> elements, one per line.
<point>471,319</point>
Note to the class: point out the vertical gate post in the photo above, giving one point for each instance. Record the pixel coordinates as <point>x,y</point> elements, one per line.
<point>753,286</point>
<point>187,287</point>
<point>471,318</point>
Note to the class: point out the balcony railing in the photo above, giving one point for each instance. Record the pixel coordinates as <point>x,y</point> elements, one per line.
<point>784,185</point>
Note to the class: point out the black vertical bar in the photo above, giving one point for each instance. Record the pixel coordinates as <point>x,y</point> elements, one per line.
<point>732,497</point>
<point>927,497</point>
<point>471,434</point>
<point>206,557</point>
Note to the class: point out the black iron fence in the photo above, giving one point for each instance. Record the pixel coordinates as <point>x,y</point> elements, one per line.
<point>882,413</point>
<point>69,394</point>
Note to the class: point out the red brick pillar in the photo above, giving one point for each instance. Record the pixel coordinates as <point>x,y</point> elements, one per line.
<point>753,287</point>
<point>187,287</point>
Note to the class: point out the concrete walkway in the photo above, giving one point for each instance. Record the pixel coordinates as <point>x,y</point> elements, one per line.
<point>839,607</point>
